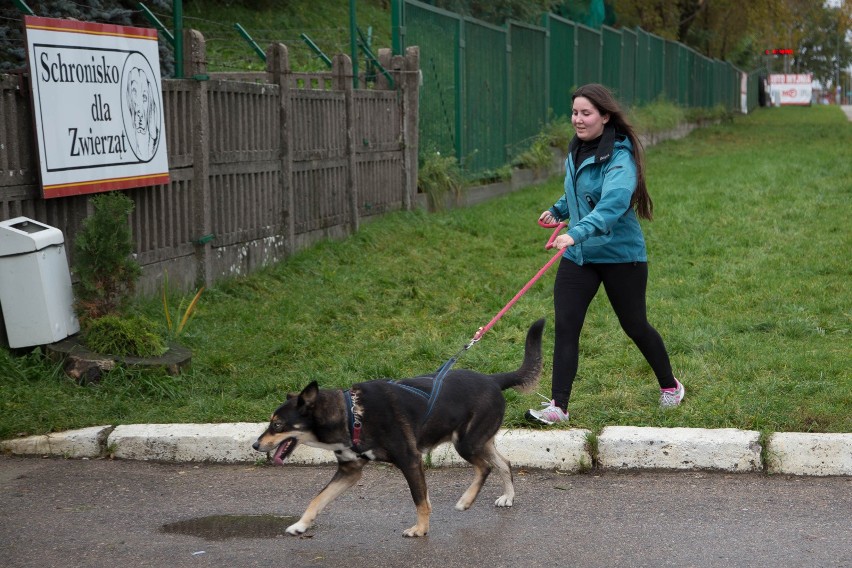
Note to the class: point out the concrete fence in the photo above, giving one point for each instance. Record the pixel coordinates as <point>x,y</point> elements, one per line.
<point>261,165</point>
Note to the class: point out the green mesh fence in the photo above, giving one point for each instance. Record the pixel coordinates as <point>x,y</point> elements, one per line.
<point>561,63</point>
<point>670,67</point>
<point>527,85</point>
<point>627,85</point>
<point>611,53</point>
<point>689,72</point>
<point>704,81</point>
<point>683,74</point>
<point>589,55</point>
<point>657,66</point>
<point>437,34</point>
<point>753,88</point>
<point>486,100</point>
<point>644,93</point>
<point>487,89</point>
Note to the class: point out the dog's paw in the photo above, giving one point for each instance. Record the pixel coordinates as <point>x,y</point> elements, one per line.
<point>415,531</point>
<point>504,501</point>
<point>297,528</point>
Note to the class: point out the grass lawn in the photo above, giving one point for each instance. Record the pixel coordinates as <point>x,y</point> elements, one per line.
<point>749,286</point>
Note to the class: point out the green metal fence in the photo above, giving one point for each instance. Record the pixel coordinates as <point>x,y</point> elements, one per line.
<point>627,86</point>
<point>488,90</point>
<point>527,85</point>
<point>438,33</point>
<point>612,53</point>
<point>486,100</point>
<point>589,56</point>
<point>562,63</point>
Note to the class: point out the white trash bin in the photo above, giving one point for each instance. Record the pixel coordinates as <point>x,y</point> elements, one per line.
<point>35,284</point>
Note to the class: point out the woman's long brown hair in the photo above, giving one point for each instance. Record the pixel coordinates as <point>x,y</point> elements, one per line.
<point>603,100</point>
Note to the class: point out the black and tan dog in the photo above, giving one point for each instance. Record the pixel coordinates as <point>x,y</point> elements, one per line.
<point>390,421</point>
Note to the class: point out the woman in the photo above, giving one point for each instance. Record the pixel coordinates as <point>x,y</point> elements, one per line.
<point>605,193</point>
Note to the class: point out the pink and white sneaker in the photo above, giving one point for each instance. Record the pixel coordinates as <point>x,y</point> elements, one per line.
<point>672,397</point>
<point>550,414</point>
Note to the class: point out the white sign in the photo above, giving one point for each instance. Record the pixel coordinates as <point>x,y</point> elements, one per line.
<point>97,106</point>
<point>791,89</point>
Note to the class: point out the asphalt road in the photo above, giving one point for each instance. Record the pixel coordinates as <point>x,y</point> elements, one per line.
<point>101,513</point>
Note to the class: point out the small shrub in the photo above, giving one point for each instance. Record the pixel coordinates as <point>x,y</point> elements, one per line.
<point>503,173</point>
<point>538,157</point>
<point>658,116</point>
<point>105,269</point>
<point>132,335</point>
<point>716,113</point>
<point>558,132</point>
<point>439,176</point>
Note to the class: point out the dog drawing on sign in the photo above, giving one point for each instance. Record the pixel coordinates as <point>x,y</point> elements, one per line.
<point>144,114</point>
<point>390,421</point>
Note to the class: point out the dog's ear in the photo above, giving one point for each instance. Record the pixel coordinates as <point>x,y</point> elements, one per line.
<point>308,396</point>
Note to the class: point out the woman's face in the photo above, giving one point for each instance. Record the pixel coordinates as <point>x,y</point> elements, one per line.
<point>587,121</point>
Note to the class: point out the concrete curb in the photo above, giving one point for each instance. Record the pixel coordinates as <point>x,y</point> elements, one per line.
<point>225,443</point>
<point>83,443</point>
<point>629,447</point>
<point>564,450</point>
<point>810,454</point>
<point>575,450</point>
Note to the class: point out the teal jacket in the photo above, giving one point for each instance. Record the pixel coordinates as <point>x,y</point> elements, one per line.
<point>596,202</point>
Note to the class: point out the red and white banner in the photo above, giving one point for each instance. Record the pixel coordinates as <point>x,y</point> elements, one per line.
<point>791,89</point>
<point>97,106</point>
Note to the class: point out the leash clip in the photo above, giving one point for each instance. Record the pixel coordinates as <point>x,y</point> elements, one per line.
<point>476,337</point>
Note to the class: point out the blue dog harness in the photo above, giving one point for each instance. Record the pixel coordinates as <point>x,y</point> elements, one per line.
<point>350,400</point>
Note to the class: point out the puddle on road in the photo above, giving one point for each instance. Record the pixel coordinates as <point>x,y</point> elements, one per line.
<point>221,527</point>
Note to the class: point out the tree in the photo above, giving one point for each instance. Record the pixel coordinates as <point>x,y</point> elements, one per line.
<point>120,12</point>
<point>823,48</point>
<point>497,11</point>
<point>740,31</point>
<point>658,17</point>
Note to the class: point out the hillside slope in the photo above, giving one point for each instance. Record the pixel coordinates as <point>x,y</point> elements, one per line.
<point>326,23</point>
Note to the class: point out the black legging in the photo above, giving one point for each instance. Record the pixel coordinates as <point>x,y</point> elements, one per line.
<point>573,291</point>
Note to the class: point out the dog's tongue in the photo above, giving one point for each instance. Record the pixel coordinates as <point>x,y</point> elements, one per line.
<point>280,450</point>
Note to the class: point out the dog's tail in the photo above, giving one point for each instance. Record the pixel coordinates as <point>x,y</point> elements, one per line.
<point>526,377</point>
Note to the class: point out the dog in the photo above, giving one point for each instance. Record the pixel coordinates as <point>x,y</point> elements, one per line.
<point>144,114</point>
<point>396,422</point>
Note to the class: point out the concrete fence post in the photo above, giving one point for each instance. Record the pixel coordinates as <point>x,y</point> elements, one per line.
<point>384,56</point>
<point>195,67</point>
<point>278,65</point>
<point>410,81</point>
<point>342,72</point>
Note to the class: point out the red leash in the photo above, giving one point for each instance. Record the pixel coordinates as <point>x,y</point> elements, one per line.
<point>445,368</point>
<point>556,228</point>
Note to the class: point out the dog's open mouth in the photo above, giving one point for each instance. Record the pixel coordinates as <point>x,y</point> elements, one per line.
<point>283,450</point>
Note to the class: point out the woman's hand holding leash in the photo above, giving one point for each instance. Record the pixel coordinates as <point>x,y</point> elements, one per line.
<point>557,241</point>
<point>562,241</point>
